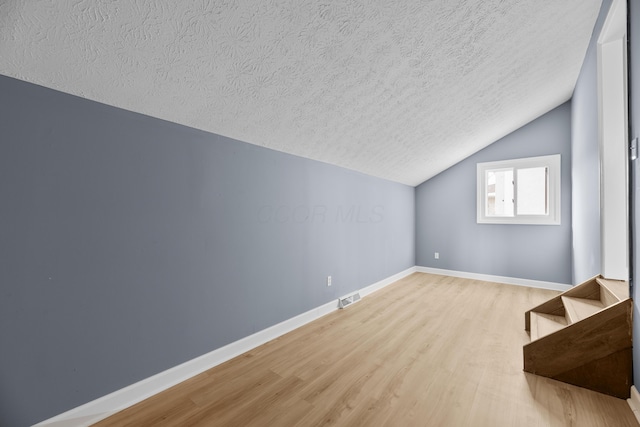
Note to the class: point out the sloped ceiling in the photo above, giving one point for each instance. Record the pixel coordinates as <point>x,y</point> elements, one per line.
<point>399,89</point>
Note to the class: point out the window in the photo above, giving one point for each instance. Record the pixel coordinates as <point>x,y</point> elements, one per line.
<point>519,191</point>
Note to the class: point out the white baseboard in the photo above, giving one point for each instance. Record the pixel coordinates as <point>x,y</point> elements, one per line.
<point>108,405</point>
<point>634,402</point>
<point>498,279</point>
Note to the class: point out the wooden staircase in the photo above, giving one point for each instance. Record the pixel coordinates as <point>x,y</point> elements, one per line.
<point>583,337</point>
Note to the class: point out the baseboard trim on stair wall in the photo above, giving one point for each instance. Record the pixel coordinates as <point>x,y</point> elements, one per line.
<point>498,279</point>
<point>108,405</point>
<point>634,402</point>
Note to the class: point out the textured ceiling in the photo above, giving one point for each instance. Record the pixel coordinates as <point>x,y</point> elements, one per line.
<point>399,89</point>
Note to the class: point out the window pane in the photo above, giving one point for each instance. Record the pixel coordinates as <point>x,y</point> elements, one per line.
<point>519,191</point>
<point>499,192</point>
<point>532,194</point>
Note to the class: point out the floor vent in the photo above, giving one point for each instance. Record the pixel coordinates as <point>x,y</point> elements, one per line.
<point>347,301</point>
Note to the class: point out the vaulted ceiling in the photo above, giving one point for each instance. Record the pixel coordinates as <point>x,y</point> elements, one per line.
<point>399,89</point>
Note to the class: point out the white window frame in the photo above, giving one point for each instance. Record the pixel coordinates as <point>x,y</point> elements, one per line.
<point>552,163</point>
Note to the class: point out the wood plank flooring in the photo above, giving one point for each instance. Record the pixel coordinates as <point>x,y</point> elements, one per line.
<point>428,350</point>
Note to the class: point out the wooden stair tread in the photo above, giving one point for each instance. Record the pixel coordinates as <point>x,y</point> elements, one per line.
<point>583,337</point>
<point>619,288</point>
<point>543,324</point>
<point>580,308</point>
<point>593,353</point>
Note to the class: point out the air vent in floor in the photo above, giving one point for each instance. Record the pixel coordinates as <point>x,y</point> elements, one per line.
<point>347,301</point>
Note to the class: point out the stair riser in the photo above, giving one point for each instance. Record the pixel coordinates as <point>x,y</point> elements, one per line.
<point>594,349</point>
<point>593,338</point>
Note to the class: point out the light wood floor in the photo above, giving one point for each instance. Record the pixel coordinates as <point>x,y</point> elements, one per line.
<point>426,351</point>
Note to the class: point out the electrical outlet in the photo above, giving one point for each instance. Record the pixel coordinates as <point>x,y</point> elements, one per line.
<point>436,255</point>
<point>328,280</point>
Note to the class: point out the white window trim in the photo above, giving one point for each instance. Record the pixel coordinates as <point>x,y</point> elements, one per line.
<point>552,162</point>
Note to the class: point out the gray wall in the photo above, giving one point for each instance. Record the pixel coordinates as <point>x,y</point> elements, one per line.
<point>446,213</point>
<point>129,245</point>
<point>634,109</point>
<point>585,158</point>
